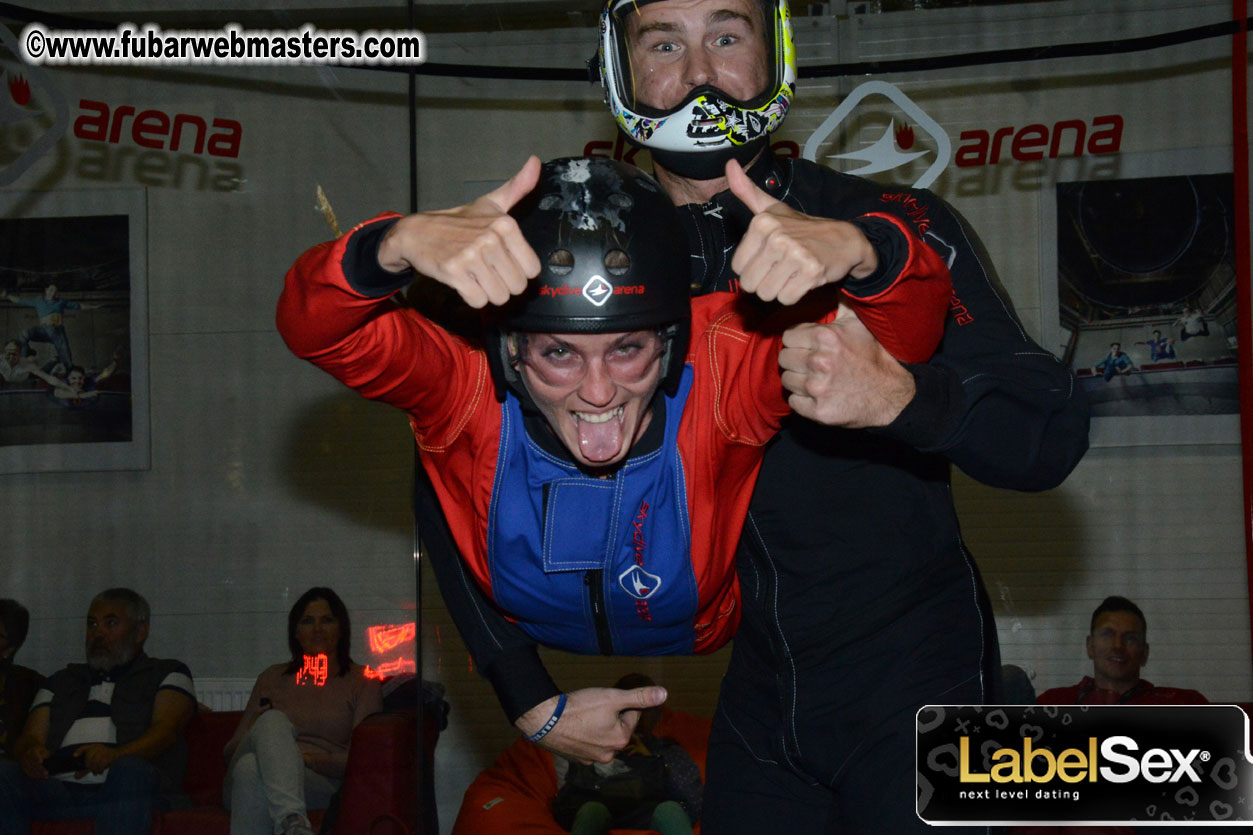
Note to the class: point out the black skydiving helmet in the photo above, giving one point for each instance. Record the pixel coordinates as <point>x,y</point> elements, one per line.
<point>696,138</point>
<point>613,258</point>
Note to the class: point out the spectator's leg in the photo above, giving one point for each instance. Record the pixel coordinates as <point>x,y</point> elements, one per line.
<point>244,795</point>
<point>319,789</point>
<point>670,819</point>
<point>23,800</point>
<point>280,764</point>
<point>127,797</point>
<point>593,819</point>
<point>15,799</point>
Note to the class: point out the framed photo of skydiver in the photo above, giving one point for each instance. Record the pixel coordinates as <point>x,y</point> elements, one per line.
<point>73,321</point>
<point>1139,260</point>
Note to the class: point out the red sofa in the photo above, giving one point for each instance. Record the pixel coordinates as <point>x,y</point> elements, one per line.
<point>379,795</point>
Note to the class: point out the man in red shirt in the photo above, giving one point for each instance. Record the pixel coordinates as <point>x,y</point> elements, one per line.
<point>1118,649</point>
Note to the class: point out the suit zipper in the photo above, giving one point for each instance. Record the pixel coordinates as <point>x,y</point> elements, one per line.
<point>596,598</point>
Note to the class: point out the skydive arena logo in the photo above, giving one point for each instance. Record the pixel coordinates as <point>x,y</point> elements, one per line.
<point>883,154</point>
<point>597,290</point>
<point>33,112</point>
<point>638,583</point>
<point>1084,765</point>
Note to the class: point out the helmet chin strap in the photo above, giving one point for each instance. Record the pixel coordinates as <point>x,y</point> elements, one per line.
<point>706,165</point>
<point>503,366</point>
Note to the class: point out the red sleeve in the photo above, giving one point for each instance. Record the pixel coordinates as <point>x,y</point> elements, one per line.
<point>908,316</point>
<point>384,351</point>
<point>735,356</point>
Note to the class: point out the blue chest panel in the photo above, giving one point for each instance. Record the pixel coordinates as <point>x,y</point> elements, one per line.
<point>572,556</point>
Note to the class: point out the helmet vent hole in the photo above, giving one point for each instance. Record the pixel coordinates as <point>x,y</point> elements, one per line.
<point>561,261</point>
<point>617,262</point>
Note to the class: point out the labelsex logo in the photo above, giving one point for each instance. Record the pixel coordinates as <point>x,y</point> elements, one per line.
<point>1040,765</point>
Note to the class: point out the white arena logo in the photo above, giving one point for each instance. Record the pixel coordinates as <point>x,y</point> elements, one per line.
<point>597,290</point>
<point>882,155</point>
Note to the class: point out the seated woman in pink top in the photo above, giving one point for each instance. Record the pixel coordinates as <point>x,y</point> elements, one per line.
<point>291,747</point>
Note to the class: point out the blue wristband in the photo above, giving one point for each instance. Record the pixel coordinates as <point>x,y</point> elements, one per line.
<point>551,723</point>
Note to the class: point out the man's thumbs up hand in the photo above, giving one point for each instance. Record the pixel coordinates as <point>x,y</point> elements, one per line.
<point>785,254</point>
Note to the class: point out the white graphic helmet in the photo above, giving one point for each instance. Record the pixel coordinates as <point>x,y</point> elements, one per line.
<point>708,127</point>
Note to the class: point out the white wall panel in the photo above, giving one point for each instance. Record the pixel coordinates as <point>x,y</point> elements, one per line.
<point>267,476</point>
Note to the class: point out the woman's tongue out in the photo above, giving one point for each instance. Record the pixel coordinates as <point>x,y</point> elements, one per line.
<point>600,435</point>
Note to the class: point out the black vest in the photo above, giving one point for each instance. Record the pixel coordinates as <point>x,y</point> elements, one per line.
<point>134,693</point>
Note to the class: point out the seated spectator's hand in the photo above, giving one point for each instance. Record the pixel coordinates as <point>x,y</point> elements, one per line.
<point>477,249</point>
<point>32,762</point>
<point>96,757</point>
<point>785,254</point>
<point>597,721</point>
<point>839,374</point>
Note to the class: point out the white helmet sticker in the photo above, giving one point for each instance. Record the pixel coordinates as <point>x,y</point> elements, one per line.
<point>597,290</point>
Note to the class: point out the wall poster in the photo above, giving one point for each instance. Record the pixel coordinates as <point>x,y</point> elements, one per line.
<point>1140,263</point>
<point>73,320</point>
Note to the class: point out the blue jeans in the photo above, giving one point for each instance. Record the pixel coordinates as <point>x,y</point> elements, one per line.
<point>52,334</point>
<point>268,780</point>
<point>121,805</point>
